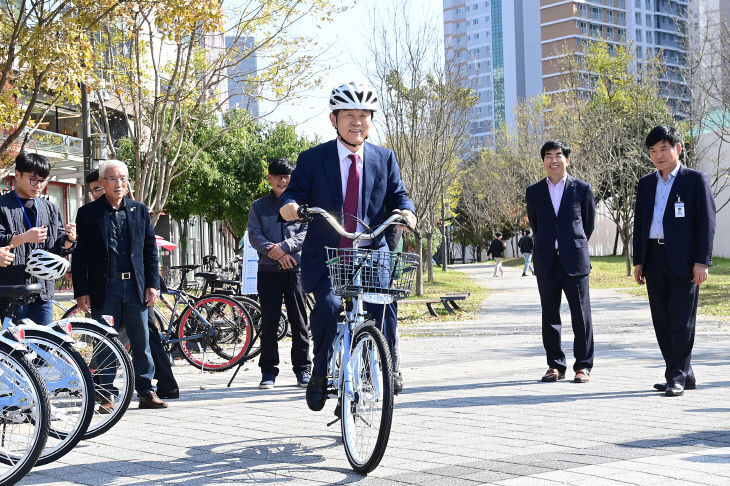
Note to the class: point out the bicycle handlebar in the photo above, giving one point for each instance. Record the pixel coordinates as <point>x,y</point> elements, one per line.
<point>396,218</point>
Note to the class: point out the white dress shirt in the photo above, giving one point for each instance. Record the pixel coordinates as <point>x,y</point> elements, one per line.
<point>556,195</point>
<point>344,155</point>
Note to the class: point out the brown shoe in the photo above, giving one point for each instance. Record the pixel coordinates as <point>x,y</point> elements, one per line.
<point>582,376</point>
<point>105,408</point>
<point>553,374</point>
<point>151,400</point>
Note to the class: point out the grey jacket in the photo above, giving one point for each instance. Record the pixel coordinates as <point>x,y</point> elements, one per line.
<point>12,222</point>
<point>265,229</point>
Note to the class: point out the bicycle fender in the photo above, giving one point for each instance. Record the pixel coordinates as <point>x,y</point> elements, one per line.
<point>91,322</point>
<point>29,325</point>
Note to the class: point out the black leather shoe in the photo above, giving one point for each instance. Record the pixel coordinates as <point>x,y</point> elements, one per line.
<point>675,390</point>
<point>169,394</point>
<point>316,393</point>
<point>397,382</point>
<point>663,386</point>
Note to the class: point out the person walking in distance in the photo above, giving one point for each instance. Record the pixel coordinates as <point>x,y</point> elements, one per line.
<point>279,276</point>
<point>562,211</point>
<point>346,175</point>
<point>496,251</point>
<point>674,228</point>
<point>526,244</point>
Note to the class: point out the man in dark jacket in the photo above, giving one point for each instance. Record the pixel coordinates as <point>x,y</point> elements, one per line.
<point>279,276</point>
<point>496,251</point>
<point>526,245</point>
<point>115,269</point>
<point>29,222</point>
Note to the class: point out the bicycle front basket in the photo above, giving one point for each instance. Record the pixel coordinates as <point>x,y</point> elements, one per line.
<point>356,271</point>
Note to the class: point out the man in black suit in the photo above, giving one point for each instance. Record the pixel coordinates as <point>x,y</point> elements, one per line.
<point>674,226</point>
<point>562,210</point>
<point>115,270</point>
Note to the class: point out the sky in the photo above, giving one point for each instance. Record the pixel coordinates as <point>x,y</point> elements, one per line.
<point>347,58</point>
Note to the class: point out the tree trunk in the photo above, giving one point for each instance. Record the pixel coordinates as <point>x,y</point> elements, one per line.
<point>626,240</point>
<point>615,240</point>
<point>184,241</point>
<point>419,273</point>
<point>463,249</point>
<point>429,242</point>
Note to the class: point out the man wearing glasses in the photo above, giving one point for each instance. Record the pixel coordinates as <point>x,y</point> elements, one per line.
<point>115,270</point>
<point>96,188</point>
<point>29,222</point>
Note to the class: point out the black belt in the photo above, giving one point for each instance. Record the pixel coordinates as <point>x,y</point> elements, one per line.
<point>656,241</point>
<point>122,275</point>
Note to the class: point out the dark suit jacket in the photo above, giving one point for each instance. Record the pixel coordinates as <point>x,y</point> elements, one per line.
<point>572,227</point>
<point>90,262</point>
<point>688,240</point>
<point>316,182</point>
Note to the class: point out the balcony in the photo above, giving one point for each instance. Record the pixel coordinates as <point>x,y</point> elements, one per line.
<point>57,143</point>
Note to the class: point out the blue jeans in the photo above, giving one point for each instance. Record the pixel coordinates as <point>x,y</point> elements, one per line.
<point>123,303</point>
<point>528,262</point>
<point>39,312</point>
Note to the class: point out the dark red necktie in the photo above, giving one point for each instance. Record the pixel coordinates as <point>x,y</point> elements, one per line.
<point>352,197</point>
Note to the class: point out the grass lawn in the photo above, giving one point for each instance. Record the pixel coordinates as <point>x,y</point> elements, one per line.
<point>610,273</point>
<point>449,282</point>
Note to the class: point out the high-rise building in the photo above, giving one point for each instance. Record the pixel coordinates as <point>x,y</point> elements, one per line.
<point>493,44</point>
<point>512,49</point>
<point>241,92</point>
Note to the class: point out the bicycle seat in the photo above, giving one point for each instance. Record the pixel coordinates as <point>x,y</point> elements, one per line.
<point>16,292</point>
<point>185,267</point>
<point>207,275</point>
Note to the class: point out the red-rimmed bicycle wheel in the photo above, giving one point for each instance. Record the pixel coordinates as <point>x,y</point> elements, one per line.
<point>226,345</point>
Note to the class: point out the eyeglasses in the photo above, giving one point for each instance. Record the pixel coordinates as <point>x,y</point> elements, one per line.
<point>280,177</point>
<point>34,181</point>
<point>117,180</point>
<point>97,190</point>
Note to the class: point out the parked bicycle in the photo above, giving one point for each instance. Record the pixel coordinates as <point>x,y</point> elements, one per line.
<point>24,406</point>
<point>360,371</point>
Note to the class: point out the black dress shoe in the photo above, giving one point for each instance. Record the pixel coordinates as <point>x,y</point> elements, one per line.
<point>316,393</point>
<point>397,382</point>
<point>169,394</point>
<point>663,386</point>
<point>674,390</point>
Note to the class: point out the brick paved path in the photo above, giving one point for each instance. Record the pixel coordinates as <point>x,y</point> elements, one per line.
<point>473,413</point>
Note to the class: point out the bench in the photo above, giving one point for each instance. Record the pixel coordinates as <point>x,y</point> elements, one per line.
<point>448,301</point>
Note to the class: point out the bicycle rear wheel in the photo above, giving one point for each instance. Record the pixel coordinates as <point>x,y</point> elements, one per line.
<point>226,336</point>
<point>254,310</point>
<point>24,415</point>
<point>70,391</point>
<point>111,371</point>
<point>367,414</point>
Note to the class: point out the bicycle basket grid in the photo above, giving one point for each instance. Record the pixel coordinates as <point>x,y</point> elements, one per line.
<point>379,272</point>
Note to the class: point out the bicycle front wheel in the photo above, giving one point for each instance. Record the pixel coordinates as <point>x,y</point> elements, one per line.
<point>221,340</point>
<point>111,371</point>
<point>70,391</point>
<point>368,411</point>
<point>24,415</point>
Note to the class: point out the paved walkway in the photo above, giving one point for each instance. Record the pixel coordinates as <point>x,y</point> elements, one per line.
<point>473,412</point>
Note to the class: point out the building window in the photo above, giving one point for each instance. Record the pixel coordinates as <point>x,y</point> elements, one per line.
<point>596,13</point>
<point>637,18</point>
<point>610,33</point>
<point>468,23</point>
<point>648,4</point>
<point>621,4</point>
<point>475,6</point>
<point>621,18</point>
<point>609,16</point>
<point>648,20</point>
<point>638,3</point>
<point>638,35</point>
<point>476,21</point>
<point>458,11</point>
<point>583,10</point>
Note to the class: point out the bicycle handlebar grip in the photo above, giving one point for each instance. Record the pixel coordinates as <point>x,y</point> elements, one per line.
<point>302,211</point>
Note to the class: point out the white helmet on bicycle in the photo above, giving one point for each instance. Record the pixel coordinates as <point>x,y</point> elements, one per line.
<point>46,266</point>
<point>354,96</point>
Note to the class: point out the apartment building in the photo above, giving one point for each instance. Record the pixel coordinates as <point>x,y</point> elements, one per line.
<point>511,49</point>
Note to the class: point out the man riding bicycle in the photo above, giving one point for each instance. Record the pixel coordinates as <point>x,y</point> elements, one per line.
<point>349,176</point>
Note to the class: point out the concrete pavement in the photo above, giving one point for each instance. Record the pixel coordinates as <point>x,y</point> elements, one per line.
<point>473,412</point>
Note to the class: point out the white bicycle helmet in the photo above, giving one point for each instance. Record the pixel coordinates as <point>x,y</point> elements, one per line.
<point>354,96</point>
<point>46,266</point>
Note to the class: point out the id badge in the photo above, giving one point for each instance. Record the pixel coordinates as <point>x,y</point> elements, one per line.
<point>679,210</point>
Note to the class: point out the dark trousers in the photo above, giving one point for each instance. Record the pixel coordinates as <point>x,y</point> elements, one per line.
<point>551,287</point>
<point>161,359</point>
<point>673,304</point>
<point>123,303</point>
<point>323,320</point>
<point>40,312</point>
<point>272,286</point>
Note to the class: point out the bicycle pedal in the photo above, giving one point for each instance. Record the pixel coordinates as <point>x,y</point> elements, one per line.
<point>334,421</point>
